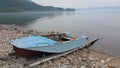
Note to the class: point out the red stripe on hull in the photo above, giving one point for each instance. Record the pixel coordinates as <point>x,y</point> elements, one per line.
<point>27,53</point>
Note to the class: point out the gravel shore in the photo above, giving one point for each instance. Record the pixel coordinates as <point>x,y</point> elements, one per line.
<point>78,59</point>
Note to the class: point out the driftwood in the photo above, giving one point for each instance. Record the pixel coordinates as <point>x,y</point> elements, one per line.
<point>58,55</point>
<point>90,43</point>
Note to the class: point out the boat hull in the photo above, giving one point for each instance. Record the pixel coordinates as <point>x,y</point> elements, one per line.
<point>28,53</point>
<point>50,49</point>
<point>61,47</point>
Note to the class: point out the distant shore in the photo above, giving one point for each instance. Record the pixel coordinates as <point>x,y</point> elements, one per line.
<point>81,58</point>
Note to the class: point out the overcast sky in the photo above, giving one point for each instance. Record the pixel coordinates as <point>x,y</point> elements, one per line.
<point>78,3</point>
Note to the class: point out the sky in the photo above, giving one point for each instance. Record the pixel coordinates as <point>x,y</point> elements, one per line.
<point>78,3</point>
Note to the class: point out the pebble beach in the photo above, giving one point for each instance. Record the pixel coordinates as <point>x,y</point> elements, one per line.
<point>79,59</point>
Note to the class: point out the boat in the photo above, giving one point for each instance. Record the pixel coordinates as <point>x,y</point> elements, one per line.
<point>47,43</point>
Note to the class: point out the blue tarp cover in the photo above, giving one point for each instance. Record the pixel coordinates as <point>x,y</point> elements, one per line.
<point>32,41</point>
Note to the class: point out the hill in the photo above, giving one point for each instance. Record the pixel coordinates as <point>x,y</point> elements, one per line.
<point>24,5</point>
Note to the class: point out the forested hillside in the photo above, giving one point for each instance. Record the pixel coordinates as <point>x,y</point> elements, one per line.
<point>24,5</point>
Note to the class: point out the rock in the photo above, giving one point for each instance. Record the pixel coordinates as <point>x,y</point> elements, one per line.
<point>83,67</point>
<point>107,60</point>
<point>84,59</point>
<point>86,50</point>
<point>102,61</point>
<point>2,62</point>
<point>112,66</point>
<point>91,58</point>
<point>15,28</point>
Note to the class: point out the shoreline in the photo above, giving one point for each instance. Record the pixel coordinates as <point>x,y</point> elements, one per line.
<point>82,58</point>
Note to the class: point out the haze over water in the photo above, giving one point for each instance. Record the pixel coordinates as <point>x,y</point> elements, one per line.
<point>102,24</point>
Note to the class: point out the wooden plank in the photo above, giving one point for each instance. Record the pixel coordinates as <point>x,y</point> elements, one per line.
<point>59,55</point>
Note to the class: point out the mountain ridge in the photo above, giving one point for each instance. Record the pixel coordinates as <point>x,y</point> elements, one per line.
<point>24,6</point>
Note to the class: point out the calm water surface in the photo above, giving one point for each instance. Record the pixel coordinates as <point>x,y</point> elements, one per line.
<point>102,24</point>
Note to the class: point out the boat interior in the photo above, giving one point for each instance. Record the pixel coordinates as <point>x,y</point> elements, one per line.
<point>59,37</point>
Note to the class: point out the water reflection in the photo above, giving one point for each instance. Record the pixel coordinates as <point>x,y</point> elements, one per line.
<point>23,19</point>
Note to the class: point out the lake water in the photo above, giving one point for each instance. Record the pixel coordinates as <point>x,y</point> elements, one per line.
<point>102,24</point>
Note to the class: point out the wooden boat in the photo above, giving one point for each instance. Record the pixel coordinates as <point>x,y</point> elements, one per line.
<point>49,43</point>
